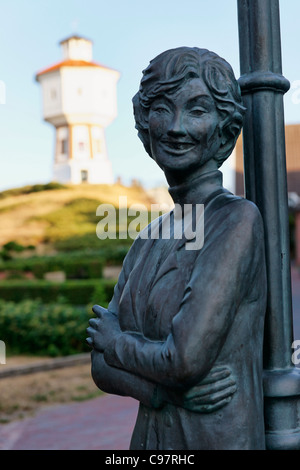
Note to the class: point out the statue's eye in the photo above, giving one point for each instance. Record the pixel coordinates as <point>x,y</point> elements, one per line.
<point>160,108</point>
<point>197,112</point>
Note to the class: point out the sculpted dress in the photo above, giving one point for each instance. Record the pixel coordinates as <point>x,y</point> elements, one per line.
<point>183,312</point>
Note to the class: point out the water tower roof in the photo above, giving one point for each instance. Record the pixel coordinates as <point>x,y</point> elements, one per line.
<point>77,52</point>
<point>70,63</point>
<point>74,36</point>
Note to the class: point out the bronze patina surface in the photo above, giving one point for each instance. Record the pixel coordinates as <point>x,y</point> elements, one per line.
<point>183,333</point>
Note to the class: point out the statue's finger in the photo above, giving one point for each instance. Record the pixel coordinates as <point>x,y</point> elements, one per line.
<point>215,375</point>
<point>214,398</point>
<point>205,409</point>
<point>203,390</point>
<point>91,331</point>
<point>94,322</point>
<point>99,311</point>
<point>90,342</point>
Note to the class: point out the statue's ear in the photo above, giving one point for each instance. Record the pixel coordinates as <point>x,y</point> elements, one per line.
<point>228,132</point>
<point>225,149</point>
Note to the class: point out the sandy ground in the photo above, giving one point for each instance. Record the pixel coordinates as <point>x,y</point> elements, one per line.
<point>22,396</point>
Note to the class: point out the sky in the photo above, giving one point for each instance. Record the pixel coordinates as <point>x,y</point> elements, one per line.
<point>127,34</point>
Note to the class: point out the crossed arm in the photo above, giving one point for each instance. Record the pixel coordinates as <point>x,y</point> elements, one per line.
<point>214,392</point>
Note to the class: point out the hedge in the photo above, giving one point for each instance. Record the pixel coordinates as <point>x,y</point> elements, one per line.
<point>75,267</point>
<point>31,327</point>
<point>72,292</point>
<point>110,250</point>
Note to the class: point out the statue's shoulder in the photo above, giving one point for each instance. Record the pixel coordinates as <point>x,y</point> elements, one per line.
<point>238,209</point>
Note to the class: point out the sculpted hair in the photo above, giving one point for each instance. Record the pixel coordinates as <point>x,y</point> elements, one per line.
<point>171,69</point>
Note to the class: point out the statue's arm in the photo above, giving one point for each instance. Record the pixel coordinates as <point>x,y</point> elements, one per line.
<point>113,380</point>
<point>107,378</point>
<point>211,299</point>
<point>120,382</point>
<point>215,391</point>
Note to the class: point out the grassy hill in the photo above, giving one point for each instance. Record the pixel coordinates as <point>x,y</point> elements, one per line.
<point>55,217</point>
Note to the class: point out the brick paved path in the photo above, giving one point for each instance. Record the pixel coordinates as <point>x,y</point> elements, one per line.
<point>104,423</point>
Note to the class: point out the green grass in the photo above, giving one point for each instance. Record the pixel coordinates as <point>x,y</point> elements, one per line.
<point>39,397</point>
<point>87,396</point>
<point>75,218</point>
<point>31,189</point>
<point>73,227</point>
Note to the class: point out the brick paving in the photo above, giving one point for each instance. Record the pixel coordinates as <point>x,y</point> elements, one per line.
<point>104,423</point>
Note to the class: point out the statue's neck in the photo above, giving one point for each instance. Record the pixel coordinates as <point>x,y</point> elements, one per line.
<point>198,189</point>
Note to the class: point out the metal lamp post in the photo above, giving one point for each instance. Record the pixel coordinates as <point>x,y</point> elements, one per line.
<point>263,86</point>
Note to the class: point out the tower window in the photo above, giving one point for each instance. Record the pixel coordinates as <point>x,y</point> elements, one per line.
<point>84,176</point>
<point>64,146</point>
<point>98,146</point>
<point>81,146</point>
<point>53,94</point>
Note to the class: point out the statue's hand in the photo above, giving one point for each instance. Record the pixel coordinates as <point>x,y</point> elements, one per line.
<point>212,393</point>
<point>103,329</point>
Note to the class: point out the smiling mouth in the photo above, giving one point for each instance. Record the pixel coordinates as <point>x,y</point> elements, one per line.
<point>177,147</point>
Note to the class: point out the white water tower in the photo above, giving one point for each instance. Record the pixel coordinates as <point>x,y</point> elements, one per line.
<point>79,100</point>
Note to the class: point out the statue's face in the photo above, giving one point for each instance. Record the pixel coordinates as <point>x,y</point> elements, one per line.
<point>184,127</point>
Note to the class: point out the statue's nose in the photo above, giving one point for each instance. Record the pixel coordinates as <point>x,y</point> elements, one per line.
<point>176,127</point>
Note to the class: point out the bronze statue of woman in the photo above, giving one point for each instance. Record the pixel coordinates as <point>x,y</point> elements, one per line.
<point>183,333</point>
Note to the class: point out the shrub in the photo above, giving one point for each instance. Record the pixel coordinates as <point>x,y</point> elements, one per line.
<point>74,292</point>
<point>5,255</point>
<point>13,246</point>
<point>31,327</point>
<point>75,267</point>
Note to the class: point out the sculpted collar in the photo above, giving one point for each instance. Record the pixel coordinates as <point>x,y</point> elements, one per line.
<point>198,190</point>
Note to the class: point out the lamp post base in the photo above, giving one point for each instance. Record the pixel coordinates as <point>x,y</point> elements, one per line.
<point>282,409</point>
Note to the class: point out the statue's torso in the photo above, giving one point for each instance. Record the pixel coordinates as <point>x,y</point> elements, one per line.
<point>151,298</point>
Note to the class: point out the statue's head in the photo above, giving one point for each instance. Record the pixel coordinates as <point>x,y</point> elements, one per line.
<point>194,92</point>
